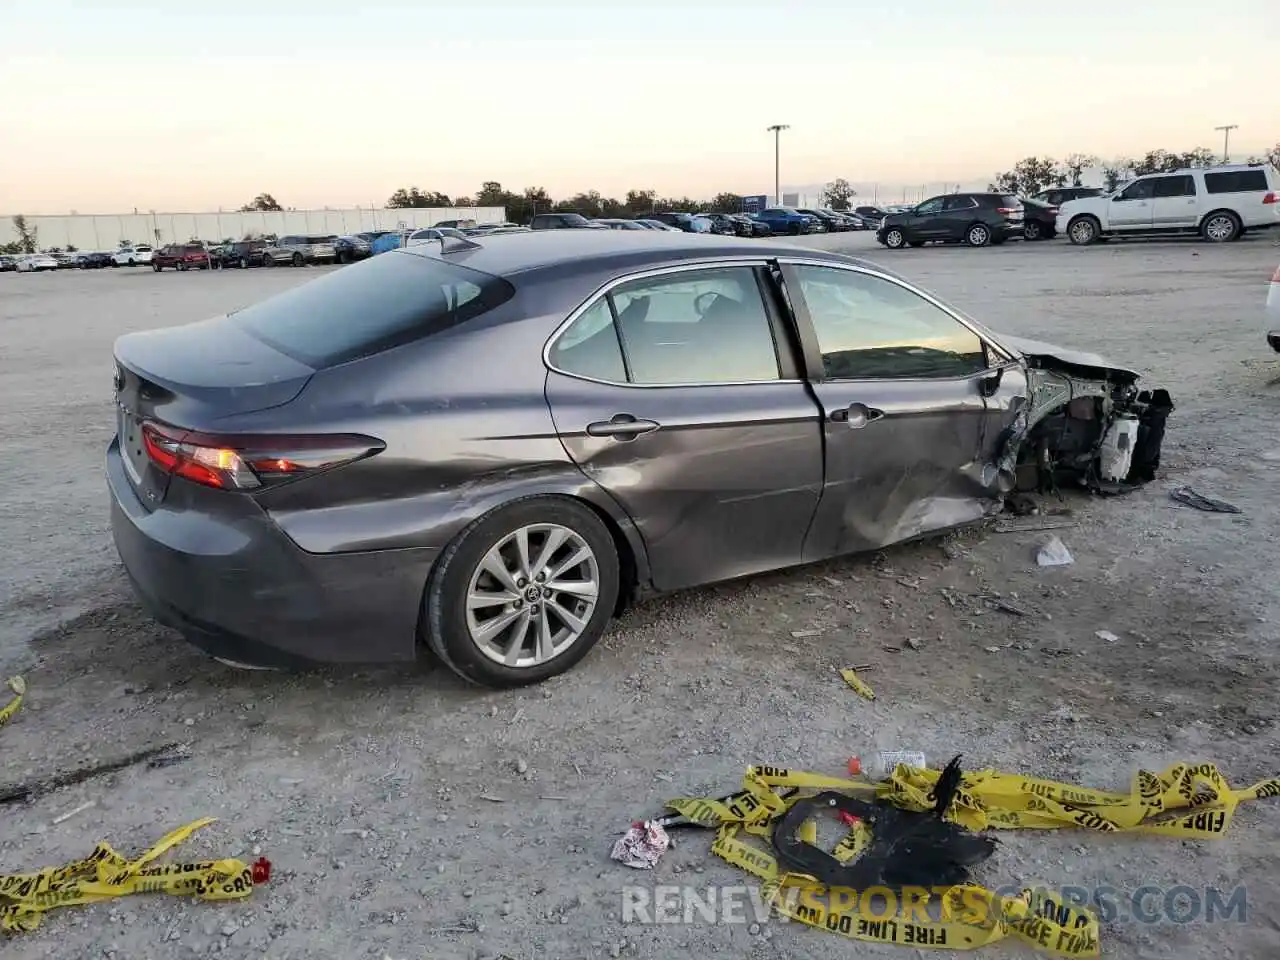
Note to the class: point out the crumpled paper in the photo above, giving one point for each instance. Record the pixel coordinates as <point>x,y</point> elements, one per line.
<point>642,845</point>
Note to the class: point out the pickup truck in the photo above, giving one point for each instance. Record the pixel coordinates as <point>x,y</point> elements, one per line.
<point>181,256</point>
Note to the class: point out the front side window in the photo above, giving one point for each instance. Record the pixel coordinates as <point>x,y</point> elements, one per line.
<point>688,327</point>
<point>930,206</point>
<point>959,203</point>
<point>869,328</point>
<point>1138,190</point>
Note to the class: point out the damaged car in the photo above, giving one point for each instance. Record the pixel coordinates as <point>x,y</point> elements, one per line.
<point>484,448</point>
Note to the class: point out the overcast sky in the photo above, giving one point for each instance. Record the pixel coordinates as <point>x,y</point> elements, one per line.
<point>115,104</point>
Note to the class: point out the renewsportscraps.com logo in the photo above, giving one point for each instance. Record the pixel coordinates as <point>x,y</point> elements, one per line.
<point>747,904</point>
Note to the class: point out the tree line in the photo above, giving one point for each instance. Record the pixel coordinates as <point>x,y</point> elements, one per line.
<point>1033,174</point>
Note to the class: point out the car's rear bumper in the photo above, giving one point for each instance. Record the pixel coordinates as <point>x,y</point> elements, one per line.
<point>1273,338</point>
<point>238,588</point>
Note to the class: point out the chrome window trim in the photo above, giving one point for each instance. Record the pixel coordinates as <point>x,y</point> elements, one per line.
<point>603,290</point>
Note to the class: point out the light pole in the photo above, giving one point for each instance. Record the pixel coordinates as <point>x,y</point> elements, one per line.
<point>1226,139</point>
<point>776,130</point>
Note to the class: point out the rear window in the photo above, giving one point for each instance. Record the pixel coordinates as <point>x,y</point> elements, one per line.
<point>370,307</point>
<point>1236,181</point>
<point>192,248</point>
<point>1009,200</point>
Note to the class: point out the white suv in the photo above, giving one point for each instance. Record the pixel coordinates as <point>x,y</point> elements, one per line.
<point>1220,203</point>
<point>132,256</point>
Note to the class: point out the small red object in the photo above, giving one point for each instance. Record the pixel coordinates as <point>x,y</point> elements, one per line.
<point>855,766</point>
<point>848,819</point>
<point>261,871</point>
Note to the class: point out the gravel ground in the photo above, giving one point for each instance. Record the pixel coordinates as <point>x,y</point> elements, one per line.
<point>364,788</point>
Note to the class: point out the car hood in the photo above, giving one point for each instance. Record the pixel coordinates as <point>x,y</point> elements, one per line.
<point>1050,354</point>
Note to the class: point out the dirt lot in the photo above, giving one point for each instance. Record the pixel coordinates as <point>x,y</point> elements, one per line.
<point>364,788</point>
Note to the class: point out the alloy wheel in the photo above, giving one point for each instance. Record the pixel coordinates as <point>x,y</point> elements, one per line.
<point>1082,232</point>
<point>978,235</point>
<point>1220,228</point>
<point>894,239</point>
<point>532,595</point>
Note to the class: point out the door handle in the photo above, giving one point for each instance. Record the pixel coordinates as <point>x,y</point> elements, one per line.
<point>857,415</point>
<point>621,426</point>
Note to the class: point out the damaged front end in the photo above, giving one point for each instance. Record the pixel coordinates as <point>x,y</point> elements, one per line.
<point>1084,422</point>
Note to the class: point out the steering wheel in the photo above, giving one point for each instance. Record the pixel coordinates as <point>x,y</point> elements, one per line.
<point>704,302</point>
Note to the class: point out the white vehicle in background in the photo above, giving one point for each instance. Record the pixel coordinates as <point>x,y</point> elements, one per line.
<point>1273,312</point>
<point>1219,203</point>
<point>36,262</point>
<point>134,256</point>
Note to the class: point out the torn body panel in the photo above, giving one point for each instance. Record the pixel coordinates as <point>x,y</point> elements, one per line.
<point>1083,421</point>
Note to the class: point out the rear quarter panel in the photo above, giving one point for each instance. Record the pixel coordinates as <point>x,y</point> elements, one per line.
<point>467,428</point>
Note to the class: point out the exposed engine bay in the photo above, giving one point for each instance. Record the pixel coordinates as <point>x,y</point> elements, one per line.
<point>1085,424</point>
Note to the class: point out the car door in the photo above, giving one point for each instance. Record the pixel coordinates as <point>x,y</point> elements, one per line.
<point>677,391</point>
<point>909,439</point>
<point>1173,202</point>
<point>958,211</point>
<point>926,222</point>
<point>1131,208</point>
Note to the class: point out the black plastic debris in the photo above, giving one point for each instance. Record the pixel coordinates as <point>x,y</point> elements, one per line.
<point>1186,495</point>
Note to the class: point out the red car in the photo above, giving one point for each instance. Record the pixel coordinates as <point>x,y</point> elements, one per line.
<point>181,256</point>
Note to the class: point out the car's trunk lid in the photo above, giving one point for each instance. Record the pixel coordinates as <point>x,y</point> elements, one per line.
<point>193,376</point>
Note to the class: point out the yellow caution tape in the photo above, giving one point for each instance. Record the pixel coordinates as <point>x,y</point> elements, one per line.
<point>1189,801</point>
<point>105,875</point>
<point>19,688</point>
<point>858,685</point>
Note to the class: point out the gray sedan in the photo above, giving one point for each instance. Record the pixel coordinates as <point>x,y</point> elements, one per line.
<point>486,448</point>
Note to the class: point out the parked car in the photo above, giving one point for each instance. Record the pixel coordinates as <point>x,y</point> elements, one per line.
<point>617,223</point>
<point>977,219</point>
<point>753,227</point>
<point>831,221</point>
<point>1219,203</point>
<point>351,249</point>
<point>133,256</point>
<point>675,219</point>
<point>724,225</point>
<point>36,263</point>
<point>788,220</point>
<point>242,254</point>
<point>298,250</point>
<point>562,221</point>
<point>1057,196</point>
<point>8,264</point>
<point>448,450</point>
<point>1039,220</point>
<point>181,256</point>
<point>463,224</point>
<point>1273,311</point>
<point>871,215</point>
<point>94,261</point>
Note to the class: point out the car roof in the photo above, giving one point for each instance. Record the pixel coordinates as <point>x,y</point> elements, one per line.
<point>605,251</point>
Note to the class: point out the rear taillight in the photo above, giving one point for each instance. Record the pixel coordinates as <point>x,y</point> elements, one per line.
<point>251,461</point>
<point>1008,211</point>
<point>1271,198</point>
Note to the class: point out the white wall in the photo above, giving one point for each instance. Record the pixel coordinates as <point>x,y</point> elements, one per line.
<point>105,231</point>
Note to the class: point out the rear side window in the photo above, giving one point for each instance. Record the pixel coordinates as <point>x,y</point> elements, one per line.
<point>370,307</point>
<point>1236,181</point>
<point>1009,200</point>
<point>1183,185</point>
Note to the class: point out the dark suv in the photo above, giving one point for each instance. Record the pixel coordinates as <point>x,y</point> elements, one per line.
<point>242,254</point>
<point>563,221</point>
<point>977,219</point>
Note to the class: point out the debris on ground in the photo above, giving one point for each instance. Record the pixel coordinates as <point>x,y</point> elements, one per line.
<point>19,688</point>
<point>106,875</point>
<point>642,846</point>
<point>161,755</point>
<point>1186,495</point>
<point>1106,635</point>
<point>1185,801</point>
<point>1054,553</point>
<point>857,684</point>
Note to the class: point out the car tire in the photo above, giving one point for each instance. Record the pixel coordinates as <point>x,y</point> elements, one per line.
<point>1031,230</point>
<point>1083,230</point>
<point>1221,226</point>
<point>894,238</point>
<point>460,573</point>
<point>977,235</point>
<point>133,263</point>
<point>297,260</point>
<point>268,261</point>
<point>156,267</point>
<point>182,267</point>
